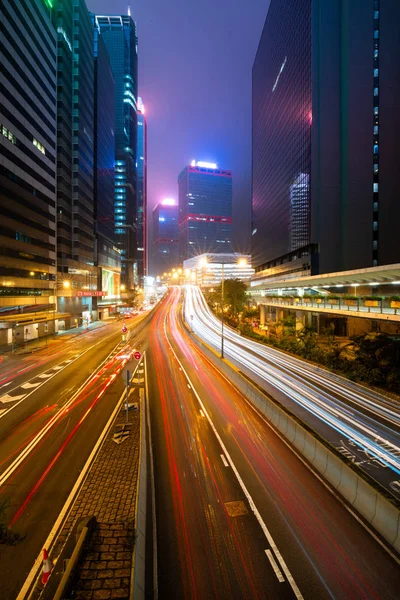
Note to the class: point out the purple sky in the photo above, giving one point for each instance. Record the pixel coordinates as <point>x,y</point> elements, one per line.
<point>195,61</point>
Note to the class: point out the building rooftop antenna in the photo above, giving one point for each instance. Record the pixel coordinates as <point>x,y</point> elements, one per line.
<point>129,11</point>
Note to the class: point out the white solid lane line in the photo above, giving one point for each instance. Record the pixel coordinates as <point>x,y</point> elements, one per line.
<point>275,567</point>
<point>224,460</point>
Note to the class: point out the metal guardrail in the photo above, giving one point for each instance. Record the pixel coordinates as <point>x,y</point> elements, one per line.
<point>341,304</point>
<point>87,527</point>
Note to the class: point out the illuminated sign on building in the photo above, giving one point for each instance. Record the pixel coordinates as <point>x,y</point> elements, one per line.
<point>110,282</point>
<point>89,294</point>
<point>204,165</point>
<point>168,202</point>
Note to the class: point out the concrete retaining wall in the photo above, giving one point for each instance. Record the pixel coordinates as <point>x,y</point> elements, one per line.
<point>379,512</point>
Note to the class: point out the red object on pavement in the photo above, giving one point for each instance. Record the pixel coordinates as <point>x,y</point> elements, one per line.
<point>124,329</point>
<point>137,355</point>
<point>47,567</point>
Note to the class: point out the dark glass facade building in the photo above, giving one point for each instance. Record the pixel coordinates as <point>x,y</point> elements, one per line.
<point>104,147</point>
<point>165,236</point>
<point>326,83</point>
<point>119,35</point>
<point>205,210</point>
<point>107,255</point>
<point>27,157</point>
<point>281,130</point>
<point>355,133</point>
<point>142,245</point>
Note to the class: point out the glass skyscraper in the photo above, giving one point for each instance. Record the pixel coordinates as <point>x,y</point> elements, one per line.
<point>28,58</point>
<point>107,255</point>
<point>119,35</point>
<point>165,236</point>
<point>325,91</point>
<point>142,245</point>
<point>205,210</point>
<point>281,129</point>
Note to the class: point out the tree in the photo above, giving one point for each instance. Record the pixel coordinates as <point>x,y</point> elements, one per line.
<point>234,296</point>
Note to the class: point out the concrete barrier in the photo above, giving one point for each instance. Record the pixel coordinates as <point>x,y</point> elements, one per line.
<point>363,496</point>
<point>138,575</point>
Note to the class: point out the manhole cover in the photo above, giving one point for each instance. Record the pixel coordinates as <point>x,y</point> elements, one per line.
<point>236,509</point>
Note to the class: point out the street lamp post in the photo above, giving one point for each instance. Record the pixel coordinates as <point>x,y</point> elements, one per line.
<point>222,315</point>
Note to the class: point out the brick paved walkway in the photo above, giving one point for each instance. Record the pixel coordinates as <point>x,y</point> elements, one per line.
<point>109,494</point>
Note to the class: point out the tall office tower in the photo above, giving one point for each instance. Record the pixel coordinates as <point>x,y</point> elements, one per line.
<point>107,255</point>
<point>142,192</point>
<point>281,128</point>
<point>165,236</point>
<point>119,35</point>
<point>324,105</point>
<point>28,48</point>
<point>205,210</point>
<point>75,146</point>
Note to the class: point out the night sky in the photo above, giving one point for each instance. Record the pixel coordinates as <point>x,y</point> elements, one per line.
<point>195,61</point>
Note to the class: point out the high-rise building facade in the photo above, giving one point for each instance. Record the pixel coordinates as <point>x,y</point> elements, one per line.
<point>165,236</point>
<point>28,57</point>
<point>77,274</point>
<point>281,127</point>
<point>119,35</point>
<point>324,106</point>
<point>107,255</point>
<point>142,245</point>
<point>205,210</point>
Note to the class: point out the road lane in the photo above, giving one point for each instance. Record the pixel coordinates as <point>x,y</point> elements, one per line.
<point>362,424</point>
<point>209,542</point>
<point>39,485</point>
<point>328,553</point>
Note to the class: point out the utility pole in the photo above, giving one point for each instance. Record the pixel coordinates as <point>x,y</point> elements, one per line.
<point>222,315</point>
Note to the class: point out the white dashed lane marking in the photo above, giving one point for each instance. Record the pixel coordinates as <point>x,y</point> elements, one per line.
<point>275,567</point>
<point>28,385</point>
<point>224,461</point>
<point>8,398</point>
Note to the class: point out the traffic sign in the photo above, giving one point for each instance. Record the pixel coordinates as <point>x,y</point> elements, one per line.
<point>124,328</point>
<point>137,355</point>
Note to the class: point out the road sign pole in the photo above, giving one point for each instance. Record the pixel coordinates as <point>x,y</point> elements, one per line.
<point>128,377</point>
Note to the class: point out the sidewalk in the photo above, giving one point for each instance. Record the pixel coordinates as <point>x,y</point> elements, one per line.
<point>109,494</point>
<point>46,341</point>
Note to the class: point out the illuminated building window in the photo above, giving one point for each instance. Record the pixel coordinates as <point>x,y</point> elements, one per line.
<point>7,133</point>
<point>376,187</point>
<point>39,146</point>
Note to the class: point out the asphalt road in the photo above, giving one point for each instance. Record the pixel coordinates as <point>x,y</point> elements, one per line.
<point>363,424</point>
<point>238,513</point>
<point>57,404</point>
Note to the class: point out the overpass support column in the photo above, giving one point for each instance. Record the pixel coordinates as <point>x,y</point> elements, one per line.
<point>301,321</point>
<point>263,310</point>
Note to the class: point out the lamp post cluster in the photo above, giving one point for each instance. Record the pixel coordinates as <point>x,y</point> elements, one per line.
<point>242,262</point>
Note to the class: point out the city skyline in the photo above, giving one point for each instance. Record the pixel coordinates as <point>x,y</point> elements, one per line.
<point>197,93</point>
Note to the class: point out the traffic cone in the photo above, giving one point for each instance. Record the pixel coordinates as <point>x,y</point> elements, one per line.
<point>47,567</point>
